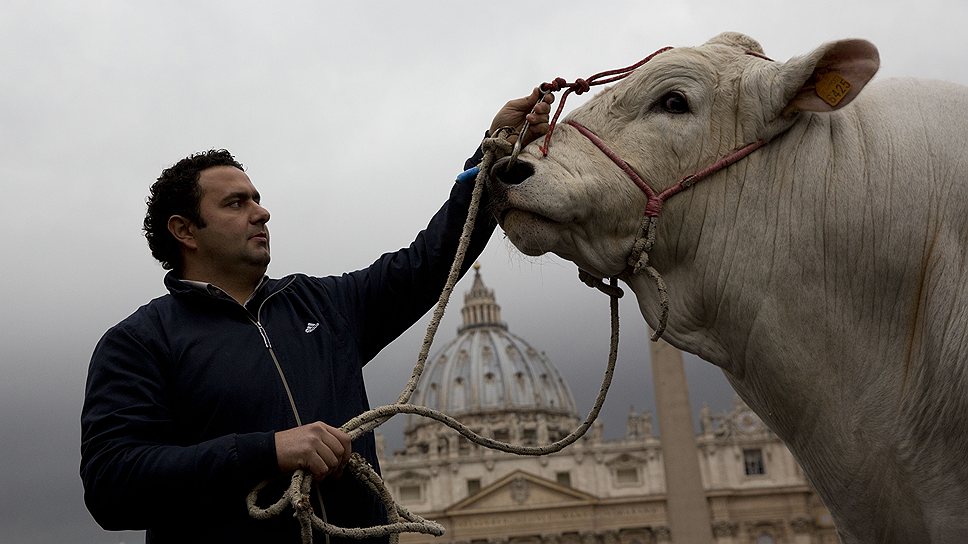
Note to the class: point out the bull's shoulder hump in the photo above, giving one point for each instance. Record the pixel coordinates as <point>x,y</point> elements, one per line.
<point>906,89</point>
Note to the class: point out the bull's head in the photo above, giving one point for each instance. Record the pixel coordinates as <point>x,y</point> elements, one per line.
<point>675,115</point>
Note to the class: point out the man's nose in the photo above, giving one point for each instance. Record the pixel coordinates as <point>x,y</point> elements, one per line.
<point>261,215</point>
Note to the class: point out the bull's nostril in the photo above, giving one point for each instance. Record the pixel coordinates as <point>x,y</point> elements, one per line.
<point>511,171</point>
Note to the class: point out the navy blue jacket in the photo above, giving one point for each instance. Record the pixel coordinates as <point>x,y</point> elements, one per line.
<point>183,397</point>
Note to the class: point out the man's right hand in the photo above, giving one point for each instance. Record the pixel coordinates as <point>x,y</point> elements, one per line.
<point>316,447</point>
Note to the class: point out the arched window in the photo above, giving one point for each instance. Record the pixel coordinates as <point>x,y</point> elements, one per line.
<point>765,538</point>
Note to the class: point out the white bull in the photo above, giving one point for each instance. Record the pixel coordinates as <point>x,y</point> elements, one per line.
<point>826,273</point>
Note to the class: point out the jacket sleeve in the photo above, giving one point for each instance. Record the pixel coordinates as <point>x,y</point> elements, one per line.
<point>135,470</point>
<point>398,288</point>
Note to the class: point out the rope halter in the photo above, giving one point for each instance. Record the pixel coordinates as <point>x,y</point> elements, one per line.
<point>638,258</point>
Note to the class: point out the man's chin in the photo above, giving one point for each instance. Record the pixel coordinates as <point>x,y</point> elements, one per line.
<point>260,260</point>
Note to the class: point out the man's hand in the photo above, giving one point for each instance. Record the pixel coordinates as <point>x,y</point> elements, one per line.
<point>514,113</point>
<point>316,447</point>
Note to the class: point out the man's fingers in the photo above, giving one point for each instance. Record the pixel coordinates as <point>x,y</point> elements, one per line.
<point>329,454</point>
<point>516,111</point>
<point>539,129</point>
<point>347,444</point>
<point>540,104</point>
<point>525,104</point>
<point>332,450</point>
<point>528,102</point>
<point>316,447</point>
<point>339,442</point>
<point>317,467</point>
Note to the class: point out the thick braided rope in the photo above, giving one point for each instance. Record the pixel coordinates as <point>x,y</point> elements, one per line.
<point>639,261</point>
<point>298,493</point>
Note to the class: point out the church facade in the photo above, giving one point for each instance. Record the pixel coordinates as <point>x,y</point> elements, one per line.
<point>596,491</point>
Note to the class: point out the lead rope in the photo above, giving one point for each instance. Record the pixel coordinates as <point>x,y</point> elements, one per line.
<point>401,520</point>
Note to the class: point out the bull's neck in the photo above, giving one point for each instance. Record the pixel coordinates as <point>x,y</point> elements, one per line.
<point>772,270</point>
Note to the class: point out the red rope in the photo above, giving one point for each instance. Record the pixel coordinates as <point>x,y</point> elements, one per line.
<point>654,205</point>
<point>629,171</point>
<point>580,86</point>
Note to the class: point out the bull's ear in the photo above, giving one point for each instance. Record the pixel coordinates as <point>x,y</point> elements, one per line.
<point>828,78</point>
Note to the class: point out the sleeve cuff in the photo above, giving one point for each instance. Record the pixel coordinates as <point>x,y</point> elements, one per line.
<point>257,455</point>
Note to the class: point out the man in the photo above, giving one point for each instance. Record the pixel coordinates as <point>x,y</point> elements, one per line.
<point>234,378</point>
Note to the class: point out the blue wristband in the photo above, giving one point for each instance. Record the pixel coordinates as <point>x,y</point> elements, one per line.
<point>468,174</point>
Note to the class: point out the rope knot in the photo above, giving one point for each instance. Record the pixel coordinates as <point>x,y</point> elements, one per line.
<point>303,504</point>
<point>613,291</point>
<point>497,145</point>
<point>556,85</point>
<point>581,86</point>
<point>640,263</point>
<point>654,207</point>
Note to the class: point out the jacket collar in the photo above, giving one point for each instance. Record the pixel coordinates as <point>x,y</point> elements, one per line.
<point>179,287</point>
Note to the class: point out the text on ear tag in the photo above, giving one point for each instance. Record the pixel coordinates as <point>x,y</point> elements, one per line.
<point>832,88</point>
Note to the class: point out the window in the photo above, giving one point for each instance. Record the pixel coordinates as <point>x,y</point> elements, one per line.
<point>529,437</point>
<point>627,475</point>
<point>473,486</point>
<point>563,478</point>
<point>765,538</point>
<point>753,462</point>
<point>410,493</point>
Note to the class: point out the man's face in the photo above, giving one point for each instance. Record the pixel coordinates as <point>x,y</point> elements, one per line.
<point>235,235</point>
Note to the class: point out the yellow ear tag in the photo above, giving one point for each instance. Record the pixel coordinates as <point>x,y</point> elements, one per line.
<point>832,88</point>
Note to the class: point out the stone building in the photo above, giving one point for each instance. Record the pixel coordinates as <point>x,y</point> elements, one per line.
<point>595,491</point>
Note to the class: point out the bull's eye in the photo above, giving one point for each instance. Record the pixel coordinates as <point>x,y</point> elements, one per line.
<point>675,102</point>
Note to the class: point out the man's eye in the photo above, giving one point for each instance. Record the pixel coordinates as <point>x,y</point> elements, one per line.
<point>235,204</point>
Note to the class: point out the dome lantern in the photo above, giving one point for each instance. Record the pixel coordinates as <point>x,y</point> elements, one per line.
<point>480,308</point>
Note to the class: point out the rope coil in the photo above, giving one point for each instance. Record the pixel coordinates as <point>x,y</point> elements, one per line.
<point>400,520</point>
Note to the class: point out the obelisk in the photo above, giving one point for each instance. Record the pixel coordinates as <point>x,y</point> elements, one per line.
<point>688,511</point>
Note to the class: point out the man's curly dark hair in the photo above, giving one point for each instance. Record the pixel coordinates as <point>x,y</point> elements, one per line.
<point>176,193</point>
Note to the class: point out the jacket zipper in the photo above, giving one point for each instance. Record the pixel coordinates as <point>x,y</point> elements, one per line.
<point>285,384</point>
<point>272,353</point>
<point>282,375</point>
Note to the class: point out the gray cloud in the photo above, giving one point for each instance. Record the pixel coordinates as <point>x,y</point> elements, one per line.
<point>352,119</point>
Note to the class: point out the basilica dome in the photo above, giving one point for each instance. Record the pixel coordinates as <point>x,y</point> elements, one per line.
<point>487,370</point>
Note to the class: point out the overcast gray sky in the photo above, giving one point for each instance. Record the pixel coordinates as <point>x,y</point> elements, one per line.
<point>352,119</point>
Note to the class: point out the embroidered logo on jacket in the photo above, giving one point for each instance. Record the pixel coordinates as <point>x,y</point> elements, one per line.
<point>310,327</point>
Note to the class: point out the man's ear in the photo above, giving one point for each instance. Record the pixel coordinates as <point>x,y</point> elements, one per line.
<point>183,229</point>
<point>828,78</point>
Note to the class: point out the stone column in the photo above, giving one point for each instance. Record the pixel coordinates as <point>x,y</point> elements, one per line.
<point>725,532</point>
<point>802,530</point>
<point>688,511</point>
<point>662,534</point>
<point>550,538</point>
